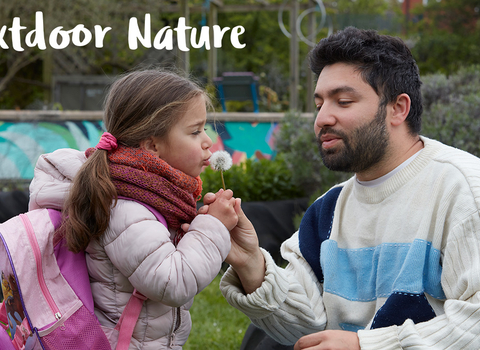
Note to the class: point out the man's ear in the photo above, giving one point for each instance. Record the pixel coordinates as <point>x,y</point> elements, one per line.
<point>400,108</point>
<point>151,145</point>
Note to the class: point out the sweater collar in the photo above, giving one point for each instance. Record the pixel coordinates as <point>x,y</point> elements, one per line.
<point>378,193</point>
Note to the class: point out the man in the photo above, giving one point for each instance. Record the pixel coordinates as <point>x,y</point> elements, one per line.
<point>389,259</point>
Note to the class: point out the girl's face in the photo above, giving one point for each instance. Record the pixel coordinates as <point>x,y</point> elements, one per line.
<point>186,146</point>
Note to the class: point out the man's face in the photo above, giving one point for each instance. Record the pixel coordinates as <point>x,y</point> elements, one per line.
<point>350,125</point>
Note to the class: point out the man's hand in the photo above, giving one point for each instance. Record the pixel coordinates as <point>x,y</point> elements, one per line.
<point>245,256</point>
<point>329,340</point>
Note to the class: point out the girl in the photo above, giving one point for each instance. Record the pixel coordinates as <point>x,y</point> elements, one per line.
<point>154,151</point>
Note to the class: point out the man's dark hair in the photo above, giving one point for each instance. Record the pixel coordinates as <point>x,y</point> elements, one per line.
<point>384,62</point>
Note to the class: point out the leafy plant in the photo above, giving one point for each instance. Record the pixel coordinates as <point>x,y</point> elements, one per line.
<point>255,180</point>
<point>447,35</point>
<point>452,108</point>
<point>297,144</point>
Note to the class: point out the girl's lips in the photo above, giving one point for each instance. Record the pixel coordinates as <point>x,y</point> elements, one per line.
<point>206,162</point>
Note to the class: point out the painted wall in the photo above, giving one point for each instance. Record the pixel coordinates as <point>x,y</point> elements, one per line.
<point>21,143</point>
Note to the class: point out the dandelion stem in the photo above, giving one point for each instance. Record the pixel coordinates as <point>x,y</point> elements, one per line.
<point>223,181</point>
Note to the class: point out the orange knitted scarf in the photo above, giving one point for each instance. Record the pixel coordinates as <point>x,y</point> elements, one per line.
<point>140,175</point>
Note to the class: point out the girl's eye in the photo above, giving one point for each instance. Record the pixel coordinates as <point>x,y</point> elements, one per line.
<point>344,103</point>
<point>198,132</point>
<point>318,107</point>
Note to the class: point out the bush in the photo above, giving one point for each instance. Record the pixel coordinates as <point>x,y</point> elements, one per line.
<point>255,180</point>
<point>297,144</point>
<point>452,108</point>
<point>446,52</point>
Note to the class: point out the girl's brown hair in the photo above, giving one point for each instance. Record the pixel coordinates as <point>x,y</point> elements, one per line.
<point>139,104</point>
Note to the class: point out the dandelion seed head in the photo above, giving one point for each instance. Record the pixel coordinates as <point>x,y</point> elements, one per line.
<point>221,160</point>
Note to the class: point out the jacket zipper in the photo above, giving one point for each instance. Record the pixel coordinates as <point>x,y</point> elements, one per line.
<point>38,261</point>
<point>175,324</point>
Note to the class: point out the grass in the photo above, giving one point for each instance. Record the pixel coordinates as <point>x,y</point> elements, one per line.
<point>216,325</point>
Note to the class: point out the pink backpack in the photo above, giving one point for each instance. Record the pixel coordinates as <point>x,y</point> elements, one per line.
<point>47,301</point>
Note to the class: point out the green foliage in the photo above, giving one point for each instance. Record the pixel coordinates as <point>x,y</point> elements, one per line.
<point>14,185</point>
<point>255,180</point>
<point>216,324</point>
<point>266,52</point>
<point>297,144</point>
<point>446,52</point>
<point>447,35</point>
<point>21,91</point>
<point>452,108</point>
<point>362,6</point>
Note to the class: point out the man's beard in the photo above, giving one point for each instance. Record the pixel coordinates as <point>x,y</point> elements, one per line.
<point>362,149</point>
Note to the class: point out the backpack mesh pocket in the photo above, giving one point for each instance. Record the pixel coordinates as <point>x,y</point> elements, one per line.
<point>81,331</point>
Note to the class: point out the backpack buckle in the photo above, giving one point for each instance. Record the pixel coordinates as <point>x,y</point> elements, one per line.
<point>139,295</point>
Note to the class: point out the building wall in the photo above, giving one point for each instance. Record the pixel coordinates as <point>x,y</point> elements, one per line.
<point>22,142</point>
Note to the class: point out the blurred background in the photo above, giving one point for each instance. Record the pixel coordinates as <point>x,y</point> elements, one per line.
<point>263,113</point>
<point>52,98</point>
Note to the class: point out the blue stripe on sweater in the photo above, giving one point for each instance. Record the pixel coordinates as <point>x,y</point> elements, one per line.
<point>402,273</point>
<point>370,273</point>
<point>315,228</point>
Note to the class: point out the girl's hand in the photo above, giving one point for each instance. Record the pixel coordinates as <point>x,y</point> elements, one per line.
<point>245,256</point>
<point>207,199</point>
<point>223,208</point>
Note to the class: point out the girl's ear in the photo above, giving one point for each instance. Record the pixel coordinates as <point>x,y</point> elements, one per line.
<point>401,108</point>
<point>151,145</point>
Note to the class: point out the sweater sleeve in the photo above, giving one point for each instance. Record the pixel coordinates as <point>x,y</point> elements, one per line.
<point>459,326</point>
<point>140,248</point>
<point>288,304</point>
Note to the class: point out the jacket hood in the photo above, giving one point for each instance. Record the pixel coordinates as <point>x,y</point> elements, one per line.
<point>53,177</point>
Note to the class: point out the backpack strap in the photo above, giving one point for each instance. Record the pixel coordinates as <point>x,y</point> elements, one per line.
<point>128,320</point>
<point>132,310</point>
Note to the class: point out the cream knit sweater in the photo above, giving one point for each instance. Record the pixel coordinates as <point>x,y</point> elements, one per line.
<point>401,265</point>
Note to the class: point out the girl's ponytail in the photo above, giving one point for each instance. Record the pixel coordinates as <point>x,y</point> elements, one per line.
<point>88,206</point>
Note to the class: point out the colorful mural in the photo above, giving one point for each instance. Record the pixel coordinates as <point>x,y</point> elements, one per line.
<point>21,143</point>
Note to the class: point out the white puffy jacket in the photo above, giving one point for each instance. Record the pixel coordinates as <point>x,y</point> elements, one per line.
<point>136,251</point>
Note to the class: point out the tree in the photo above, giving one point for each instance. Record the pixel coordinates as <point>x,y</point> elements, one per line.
<point>27,74</point>
<point>448,35</point>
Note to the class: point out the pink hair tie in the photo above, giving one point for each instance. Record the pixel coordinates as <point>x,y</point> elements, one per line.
<point>107,142</point>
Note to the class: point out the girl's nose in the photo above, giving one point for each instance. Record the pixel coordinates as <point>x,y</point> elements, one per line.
<point>207,142</point>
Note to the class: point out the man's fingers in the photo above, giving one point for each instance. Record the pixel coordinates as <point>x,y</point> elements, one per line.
<point>307,341</point>
<point>238,207</point>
